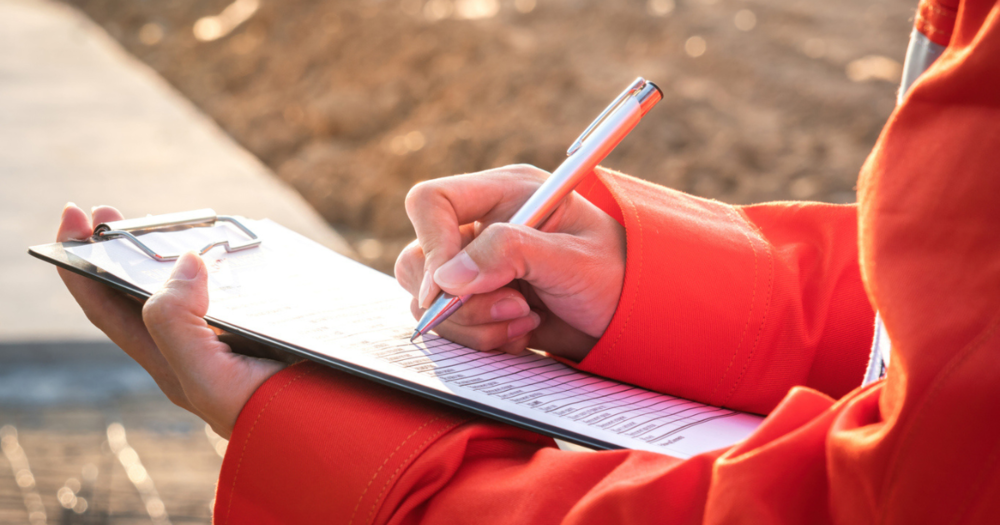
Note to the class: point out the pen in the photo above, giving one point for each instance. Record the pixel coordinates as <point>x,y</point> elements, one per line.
<point>586,152</point>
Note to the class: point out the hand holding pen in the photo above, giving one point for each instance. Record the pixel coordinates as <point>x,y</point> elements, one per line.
<point>554,289</point>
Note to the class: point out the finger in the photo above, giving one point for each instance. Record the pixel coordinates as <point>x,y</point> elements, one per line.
<point>409,270</point>
<point>516,346</point>
<point>488,336</point>
<point>174,315</point>
<point>505,304</point>
<point>243,346</point>
<point>102,214</point>
<point>505,252</point>
<point>74,224</point>
<point>216,381</point>
<point>439,207</point>
<point>115,314</point>
<point>557,337</point>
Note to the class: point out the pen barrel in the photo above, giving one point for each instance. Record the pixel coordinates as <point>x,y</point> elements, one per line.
<point>581,163</point>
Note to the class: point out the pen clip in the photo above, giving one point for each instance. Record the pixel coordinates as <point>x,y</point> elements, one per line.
<point>633,88</point>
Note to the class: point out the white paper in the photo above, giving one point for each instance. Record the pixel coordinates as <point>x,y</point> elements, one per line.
<point>294,290</point>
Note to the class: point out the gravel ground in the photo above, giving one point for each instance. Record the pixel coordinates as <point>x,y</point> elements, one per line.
<point>354,102</point>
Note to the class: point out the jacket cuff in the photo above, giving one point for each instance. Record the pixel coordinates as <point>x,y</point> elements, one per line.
<point>294,460</point>
<point>672,331</point>
<point>732,306</point>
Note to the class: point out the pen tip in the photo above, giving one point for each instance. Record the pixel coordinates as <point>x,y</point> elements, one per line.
<point>414,336</point>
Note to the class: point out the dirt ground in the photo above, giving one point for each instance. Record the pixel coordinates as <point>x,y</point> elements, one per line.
<point>354,102</point>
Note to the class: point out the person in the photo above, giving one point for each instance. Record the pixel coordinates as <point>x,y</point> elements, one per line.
<point>766,308</point>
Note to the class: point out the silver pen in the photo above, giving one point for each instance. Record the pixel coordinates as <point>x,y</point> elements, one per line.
<point>587,151</point>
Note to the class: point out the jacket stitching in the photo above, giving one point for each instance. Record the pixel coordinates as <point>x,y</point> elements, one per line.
<point>753,298</point>
<point>405,462</point>
<point>638,277</point>
<point>767,310</point>
<point>232,490</point>
<point>379,469</point>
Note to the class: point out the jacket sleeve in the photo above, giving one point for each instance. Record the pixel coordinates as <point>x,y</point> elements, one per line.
<point>732,305</point>
<point>317,446</point>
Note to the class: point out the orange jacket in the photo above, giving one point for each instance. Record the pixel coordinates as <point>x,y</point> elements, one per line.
<point>760,308</point>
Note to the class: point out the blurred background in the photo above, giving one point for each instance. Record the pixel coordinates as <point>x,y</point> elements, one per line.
<point>343,106</point>
<point>354,102</point>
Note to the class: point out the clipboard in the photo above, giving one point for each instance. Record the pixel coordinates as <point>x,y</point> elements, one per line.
<point>132,232</point>
<point>133,229</point>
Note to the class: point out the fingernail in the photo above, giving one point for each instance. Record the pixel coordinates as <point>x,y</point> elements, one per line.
<point>425,288</point>
<point>186,268</point>
<point>461,269</point>
<point>509,308</point>
<point>519,327</point>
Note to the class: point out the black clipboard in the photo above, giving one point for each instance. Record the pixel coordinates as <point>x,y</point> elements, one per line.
<point>132,230</point>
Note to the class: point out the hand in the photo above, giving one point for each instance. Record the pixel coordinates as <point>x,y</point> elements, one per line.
<point>168,336</point>
<point>553,289</point>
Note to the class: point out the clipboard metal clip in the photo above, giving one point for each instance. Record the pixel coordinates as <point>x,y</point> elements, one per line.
<point>130,228</point>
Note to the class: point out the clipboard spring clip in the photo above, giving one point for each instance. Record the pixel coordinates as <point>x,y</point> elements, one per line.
<point>131,228</point>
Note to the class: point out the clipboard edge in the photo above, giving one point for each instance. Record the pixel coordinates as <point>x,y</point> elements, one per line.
<point>51,253</point>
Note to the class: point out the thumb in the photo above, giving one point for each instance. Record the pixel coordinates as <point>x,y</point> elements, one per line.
<point>216,382</point>
<point>174,315</point>
<point>505,252</point>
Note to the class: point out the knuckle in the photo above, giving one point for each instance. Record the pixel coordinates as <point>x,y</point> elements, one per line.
<point>402,277</point>
<point>419,194</point>
<point>504,237</point>
<point>153,312</point>
<point>408,264</point>
<point>527,172</point>
<point>415,309</point>
<point>397,270</point>
<point>159,308</point>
